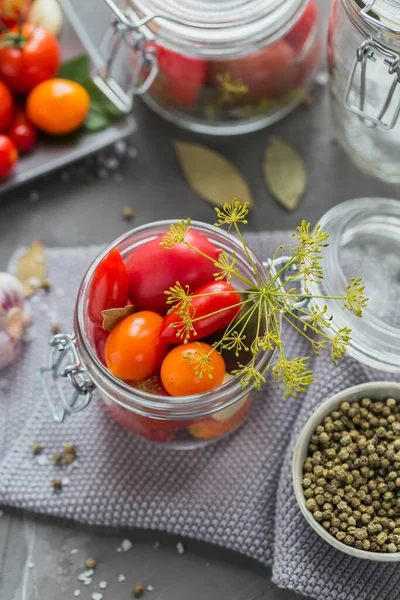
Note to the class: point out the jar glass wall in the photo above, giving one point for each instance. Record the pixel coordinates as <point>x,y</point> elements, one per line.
<point>231,67</point>
<point>179,422</point>
<point>372,147</point>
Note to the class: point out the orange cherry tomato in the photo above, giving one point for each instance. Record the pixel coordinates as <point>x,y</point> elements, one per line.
<point>58,106</point>
<point>212,427</point>
<point>178,370</point>
<point>133,349</point>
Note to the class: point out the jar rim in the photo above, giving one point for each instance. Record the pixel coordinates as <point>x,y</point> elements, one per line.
<point>211,400</point>
<point>385,14</point>
<point>207,29</point>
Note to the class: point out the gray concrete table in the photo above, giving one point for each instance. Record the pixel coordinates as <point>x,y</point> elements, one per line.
<point>35,559</point>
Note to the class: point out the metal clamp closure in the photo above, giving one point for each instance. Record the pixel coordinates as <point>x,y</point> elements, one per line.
<point>64,363</point>
<point>369,17</point>
<point>365,53</point>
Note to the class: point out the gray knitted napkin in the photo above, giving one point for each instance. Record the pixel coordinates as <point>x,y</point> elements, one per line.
<point>236,493</point>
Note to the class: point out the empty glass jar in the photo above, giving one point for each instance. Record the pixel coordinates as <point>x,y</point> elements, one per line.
<point>221,67</point>
<point>364,64</point>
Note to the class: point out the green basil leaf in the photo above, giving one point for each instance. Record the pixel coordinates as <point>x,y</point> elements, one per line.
<point>76,69</point>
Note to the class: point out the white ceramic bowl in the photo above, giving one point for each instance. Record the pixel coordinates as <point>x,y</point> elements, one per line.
<point>379,390</point>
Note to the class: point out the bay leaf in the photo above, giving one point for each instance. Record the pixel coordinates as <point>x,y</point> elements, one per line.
<point>113,316</point>
<point>284,172</point>
<point>31,268</point>
<point>210,175</point>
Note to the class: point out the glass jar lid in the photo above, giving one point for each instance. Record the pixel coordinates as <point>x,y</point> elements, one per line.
<point>216,27</point>
<point>364,241</point>
<point>377,18</point>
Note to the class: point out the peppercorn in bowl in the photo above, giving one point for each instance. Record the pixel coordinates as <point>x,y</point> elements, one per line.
<point>346,471</point>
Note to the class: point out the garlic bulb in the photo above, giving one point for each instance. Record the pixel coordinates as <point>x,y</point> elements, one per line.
<point>15,317</point>
<point>48,14</point>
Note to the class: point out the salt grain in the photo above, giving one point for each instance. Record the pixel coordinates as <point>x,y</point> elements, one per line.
<point>132,152</point>
<point>97,596</point>
<point>112,163</point>
<point>180,548</point>
<point>149,588</point>
<point>87,581</point>
<point>119,549</point>
<point>322,78</point>
<point>65,481</point>
<point>77,593</point>
<point>30,565</point>
<point>120,147</point>
<point>103,585</point>
<point>74,551</point>
<point>126,545</point>
<point>42,460</point>
<point>121,578</point>
<point>85,575</point>
<point>59,292</point>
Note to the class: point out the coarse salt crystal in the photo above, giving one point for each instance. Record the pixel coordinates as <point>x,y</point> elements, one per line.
<point>121,578</point>
<point>77,593</point>
<point>74,551</point>
<point>87,581</point>
<point>85,575</point>
<point>103,585</point>
<point>97,596</point>
<point>126,545</point>
<point>30,565</point>
<point>120,147</point>
<point>42,460</point>
<point>59,292</point>
<point>180,548</point>
<point>65,481</point>
<point>119,549</point>
<point>149,588</point>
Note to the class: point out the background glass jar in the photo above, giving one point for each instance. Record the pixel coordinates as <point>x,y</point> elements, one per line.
<point>179,422</point>
<point>364,65</point>
<point>223,67</point>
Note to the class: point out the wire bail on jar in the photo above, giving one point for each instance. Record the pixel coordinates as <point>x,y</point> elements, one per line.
<point>371,50</point>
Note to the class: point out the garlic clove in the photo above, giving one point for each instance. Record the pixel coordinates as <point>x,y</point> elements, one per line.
<point>15,322</point>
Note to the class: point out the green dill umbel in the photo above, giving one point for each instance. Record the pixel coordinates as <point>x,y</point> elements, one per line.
<point>272,300</point>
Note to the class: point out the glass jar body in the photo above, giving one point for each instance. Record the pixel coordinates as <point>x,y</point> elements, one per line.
<point>239,89</point>
<point>179,422</point>
<point>373,148</point>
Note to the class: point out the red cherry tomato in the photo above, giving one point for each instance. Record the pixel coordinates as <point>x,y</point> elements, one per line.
<point>300,33</point>
<point>134,422</point>
<point>6,107</point>
<point>10,10</point>
<point>28,57</point>
<point>268,73</point>
<point>181,77</point>
<point>153,270</point>
<point>214,307</point>
<point>178,370</point>
<point>133,348</point>
<point>23,133</point>
<point>109,287</point>
<point>8,156</point>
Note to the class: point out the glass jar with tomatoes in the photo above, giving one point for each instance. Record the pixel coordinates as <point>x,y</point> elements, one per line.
<point>146,375</point>
<point>221,67</point>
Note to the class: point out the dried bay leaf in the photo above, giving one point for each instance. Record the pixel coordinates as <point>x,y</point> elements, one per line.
<point>31,268</point>
<point>284,172</point>
<point>210,175</point>
<point>113,316</point>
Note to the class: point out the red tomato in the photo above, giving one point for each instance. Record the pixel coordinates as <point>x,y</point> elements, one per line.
<point>268,73</point>
<point>10,10</point>
<point>178,370</point>
<point>28,58</point>
<point>98,338</point>
<point>131,420</point>
<point>181,77</point>
<point>6,107</point>
<point>109,287</point>
<point>299,34</point>
<point>8,156</point>
<point>153,270</point>
<point>214,307</point>
<point>23,133</point>
<point>133,348</point>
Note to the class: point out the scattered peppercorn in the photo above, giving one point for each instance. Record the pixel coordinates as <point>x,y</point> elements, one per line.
<point>70,449</point>
<point>90,563</point>
<point>127,213</point>
<point>57,458</point>
<point>56,328</point>
<point>56,484</point>
<point>69,457</point>
<point>37,448</point>
<point>351,477</point>
<point>46,285</point>
<point>138,591</point>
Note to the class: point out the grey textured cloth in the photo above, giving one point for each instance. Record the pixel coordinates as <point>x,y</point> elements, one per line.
<point>236,493</point>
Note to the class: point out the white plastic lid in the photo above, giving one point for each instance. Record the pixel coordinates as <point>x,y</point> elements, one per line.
<point>220,26</point>
<point>364,241</point>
